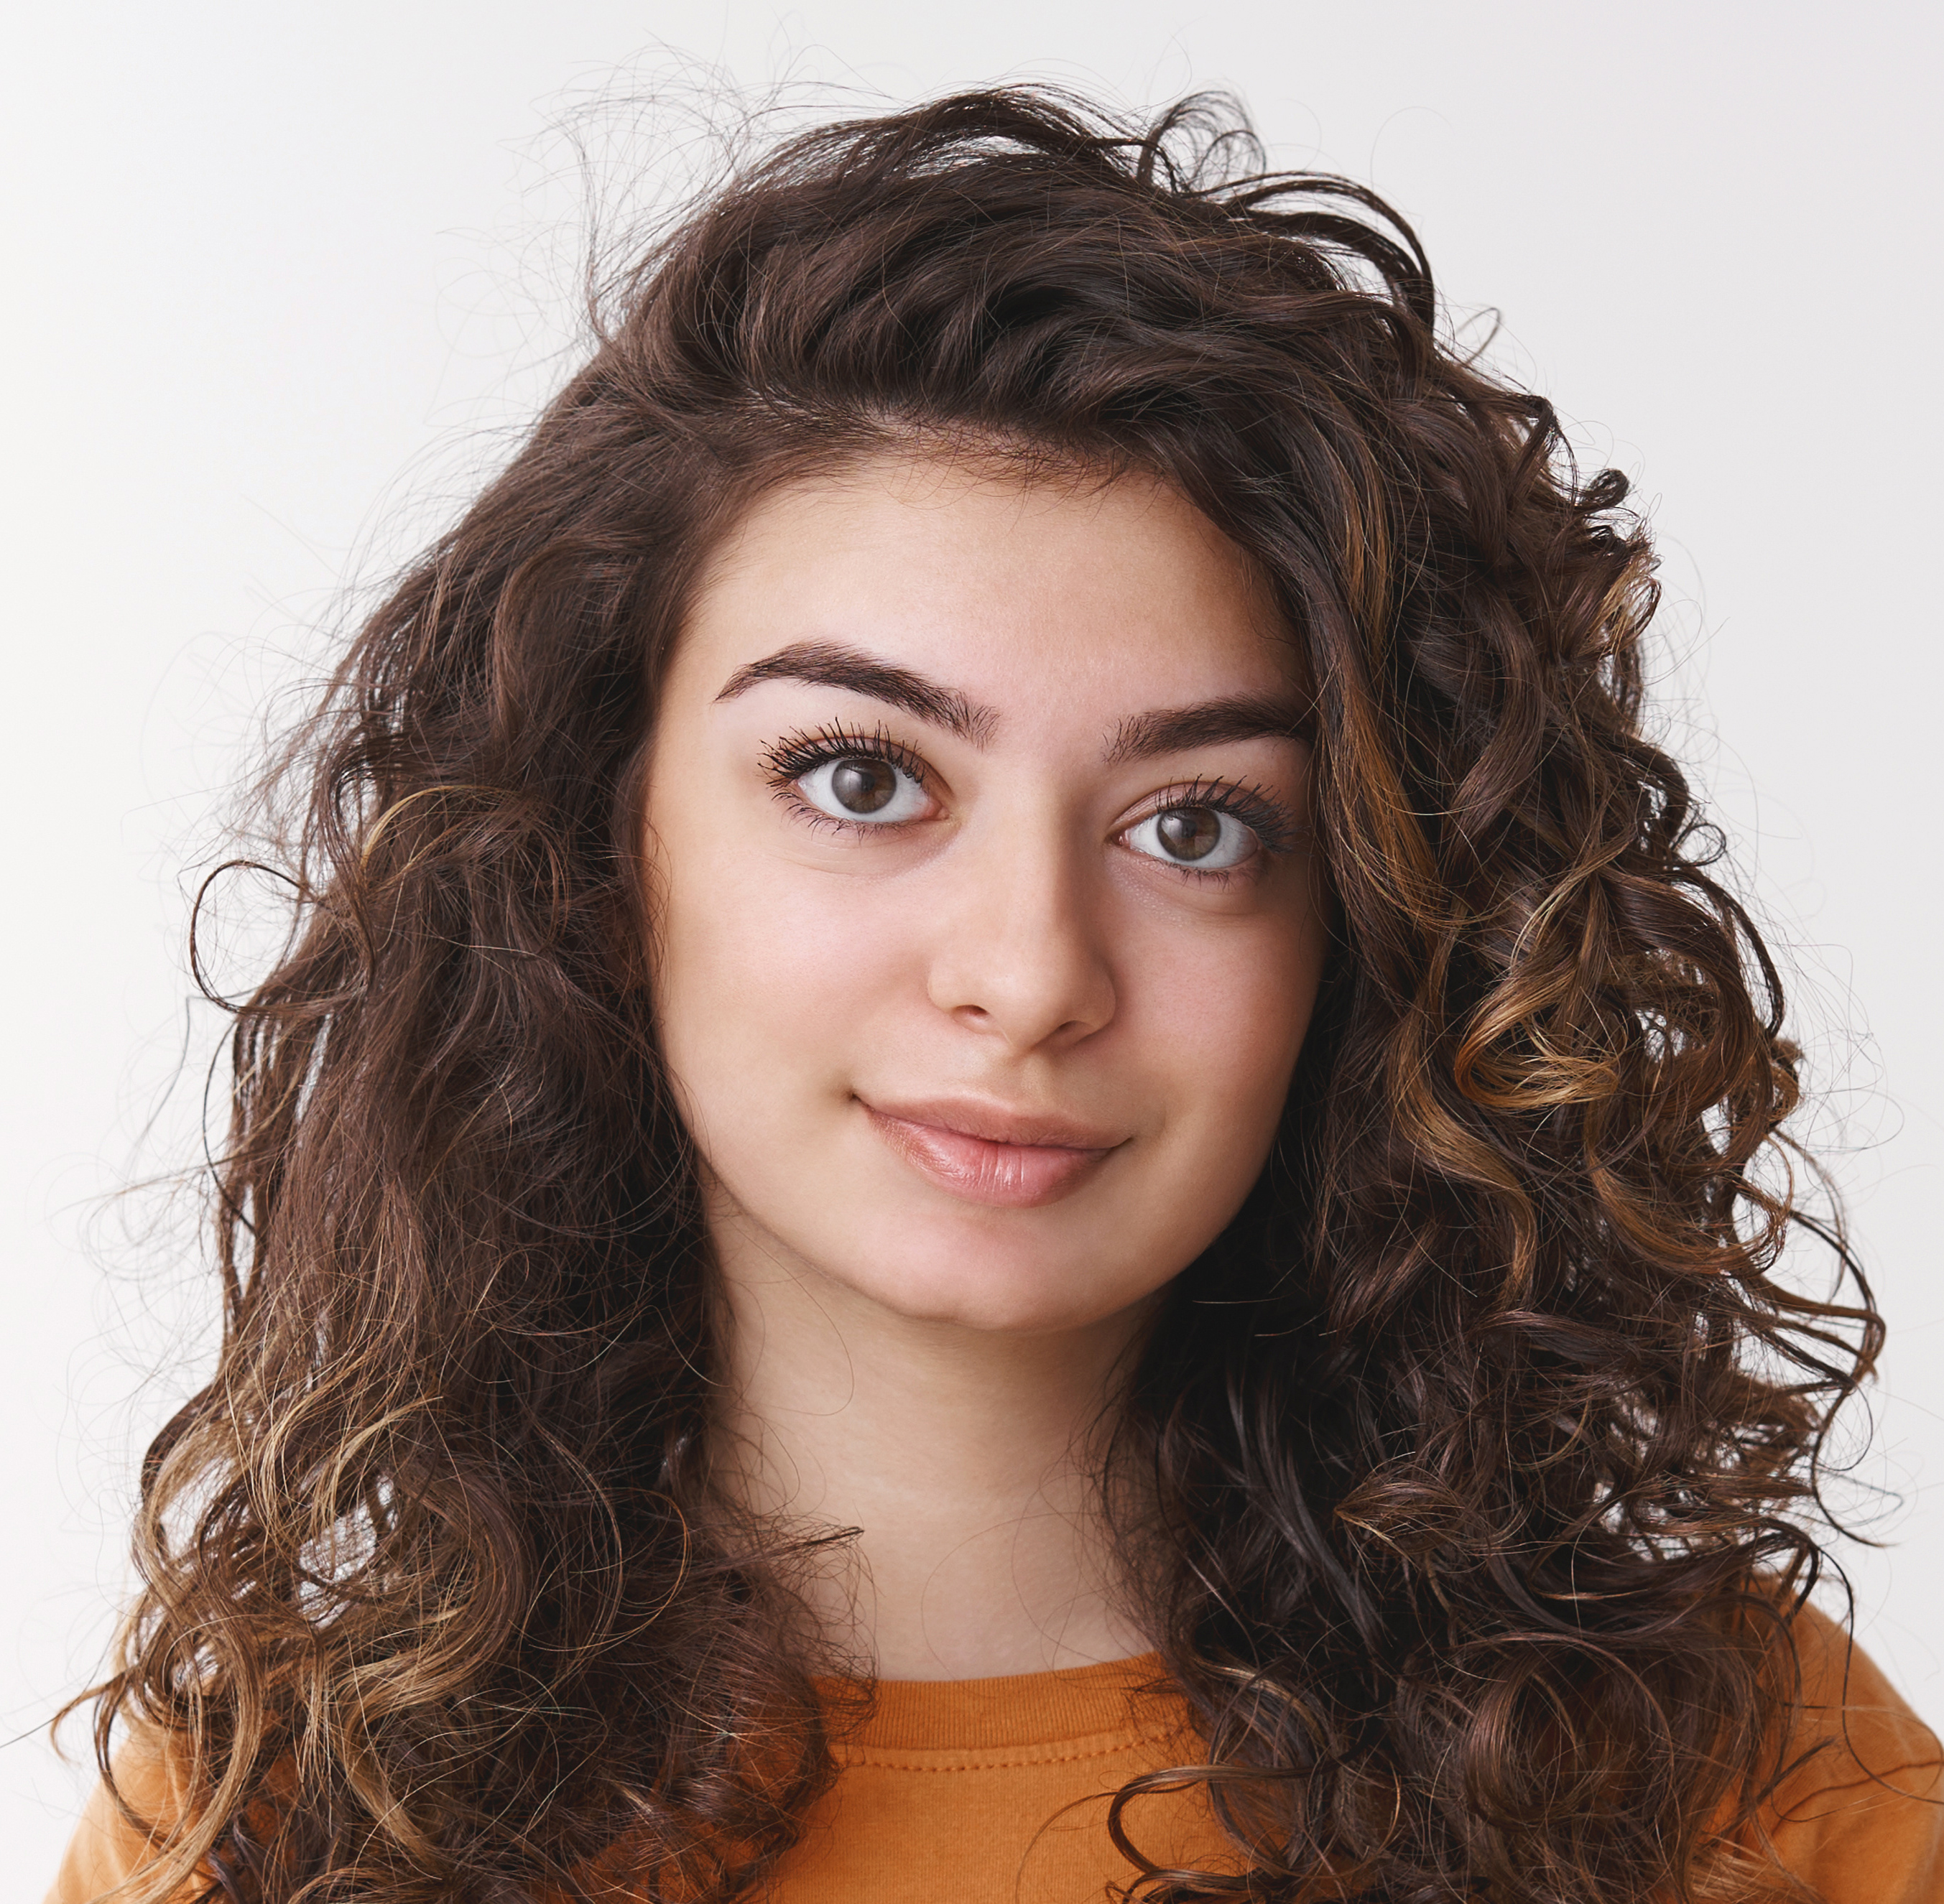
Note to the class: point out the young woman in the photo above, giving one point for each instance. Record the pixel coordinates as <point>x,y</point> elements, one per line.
<point>1012,1149</point>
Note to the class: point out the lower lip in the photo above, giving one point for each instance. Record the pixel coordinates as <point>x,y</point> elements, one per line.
<point>1010,1176</point>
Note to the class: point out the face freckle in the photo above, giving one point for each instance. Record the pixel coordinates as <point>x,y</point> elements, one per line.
<point>988,924</point>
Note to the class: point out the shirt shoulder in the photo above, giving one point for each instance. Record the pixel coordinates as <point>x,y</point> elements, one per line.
<point>1860,1815</point>
<point>109,1847</point>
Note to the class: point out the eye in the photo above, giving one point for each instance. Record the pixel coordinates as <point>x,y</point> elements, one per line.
<point>1205,839</point>
<point>864,787</point>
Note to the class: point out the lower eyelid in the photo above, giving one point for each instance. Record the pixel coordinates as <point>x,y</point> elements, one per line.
<point>791,789</point>
<point>788,765</point>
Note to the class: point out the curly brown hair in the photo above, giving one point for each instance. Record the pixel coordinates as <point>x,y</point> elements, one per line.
<point>1475,1459</point>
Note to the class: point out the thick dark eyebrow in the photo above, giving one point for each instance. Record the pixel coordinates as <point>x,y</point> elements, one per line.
<point>827,664</point>
<point>1173,730</point>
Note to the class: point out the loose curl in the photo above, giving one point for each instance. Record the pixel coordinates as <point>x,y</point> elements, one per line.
<point>1466,1484</point>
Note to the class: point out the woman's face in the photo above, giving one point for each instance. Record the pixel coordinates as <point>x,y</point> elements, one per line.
<point>988,920</point>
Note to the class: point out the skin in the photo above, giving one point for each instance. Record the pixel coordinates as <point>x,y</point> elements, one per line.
<point>975,1076</point>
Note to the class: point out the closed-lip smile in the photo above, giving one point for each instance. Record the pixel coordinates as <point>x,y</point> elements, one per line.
<point>988,1153</point>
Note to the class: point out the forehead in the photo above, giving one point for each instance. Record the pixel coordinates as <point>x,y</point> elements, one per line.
<point>1061,591</point>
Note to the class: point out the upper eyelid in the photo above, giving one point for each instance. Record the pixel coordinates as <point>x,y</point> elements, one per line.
<point>823,741</point>
<point>793,754</point>
<point>1237,796</point>
<point>1201,793</point>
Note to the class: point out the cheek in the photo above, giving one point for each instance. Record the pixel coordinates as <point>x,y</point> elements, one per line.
<point>1232,1011</point>
<point>765,971</point>
<point>1223,1018</point>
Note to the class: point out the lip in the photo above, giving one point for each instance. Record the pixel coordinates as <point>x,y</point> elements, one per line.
<point>986,1154</point>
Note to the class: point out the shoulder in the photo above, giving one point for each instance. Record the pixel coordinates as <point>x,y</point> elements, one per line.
<point>1859,1814</point>
<point>120,1831</point>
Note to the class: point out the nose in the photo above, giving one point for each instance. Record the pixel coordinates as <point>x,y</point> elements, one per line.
<point>1018,949</point>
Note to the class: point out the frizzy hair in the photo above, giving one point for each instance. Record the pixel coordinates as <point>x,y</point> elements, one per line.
<point>1465,1488</point>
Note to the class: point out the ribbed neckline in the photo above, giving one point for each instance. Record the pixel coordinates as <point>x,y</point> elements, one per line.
<point>979,1717</point>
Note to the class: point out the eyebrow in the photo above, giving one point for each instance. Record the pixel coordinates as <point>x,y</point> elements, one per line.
<point>828,664</point>
<point>1175,730</point>
<point>1163,730</point>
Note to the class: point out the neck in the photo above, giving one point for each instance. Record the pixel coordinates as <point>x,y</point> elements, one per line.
<point>965,1459</point>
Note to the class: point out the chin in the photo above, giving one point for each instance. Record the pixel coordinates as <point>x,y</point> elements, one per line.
<point>954,1281</point>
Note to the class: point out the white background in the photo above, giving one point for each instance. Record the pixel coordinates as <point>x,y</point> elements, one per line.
<point>279,279</point>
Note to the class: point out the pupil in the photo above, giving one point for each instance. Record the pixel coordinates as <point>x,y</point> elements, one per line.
<point>1190,832</point>
<point>863,785</point>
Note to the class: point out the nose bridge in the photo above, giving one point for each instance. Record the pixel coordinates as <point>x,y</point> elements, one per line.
<point>1019,951</point>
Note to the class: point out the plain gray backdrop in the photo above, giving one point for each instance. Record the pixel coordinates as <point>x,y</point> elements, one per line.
<point>281,279</point>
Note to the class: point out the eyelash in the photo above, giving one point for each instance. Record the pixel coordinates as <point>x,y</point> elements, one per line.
<point>1264,815</point>
<point>790,759</point>
<point>795,755</point>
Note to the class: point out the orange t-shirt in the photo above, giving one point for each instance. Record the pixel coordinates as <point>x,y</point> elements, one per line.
<point>995,1791</point>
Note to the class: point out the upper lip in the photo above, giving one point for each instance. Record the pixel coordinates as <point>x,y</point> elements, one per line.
<point>996,1123</point>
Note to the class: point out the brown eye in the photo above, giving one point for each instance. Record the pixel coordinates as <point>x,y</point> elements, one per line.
<point>1204,839</point>
<point>1188,832</point>
<point>864,788</point>
<point>861,785</point>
